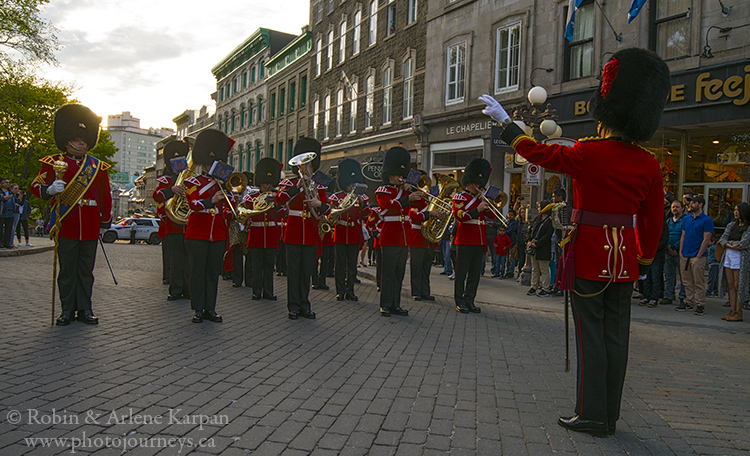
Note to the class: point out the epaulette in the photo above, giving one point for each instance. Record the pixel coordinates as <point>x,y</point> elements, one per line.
<point>460,197</point>
<point>382,189</point>
<point>48,160</point>
<point>591,138</point>
<point>365,198</point>
<point>164,180</point>
<point>287,183</point>
<point>193,180</point>
<point>652,153</point>
<point>334,197</point>
<point>321,187</point>
<point>105,165</point>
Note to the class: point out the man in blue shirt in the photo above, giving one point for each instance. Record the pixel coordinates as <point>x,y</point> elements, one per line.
<point>696,235</point>
<point>672,256</point>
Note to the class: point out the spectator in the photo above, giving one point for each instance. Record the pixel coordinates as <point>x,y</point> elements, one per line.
<point>40,227</point>
<point>16,212</point>
<point>687,195</point>
<point>736,261</point>
<point>514,235</point>
<point>558,196</point>
<point>713,270</point>
<point>539,248</point>
<point>502,244</point>
<point>133,229</point>
<point>24,209</point>
<point>696,234</point>
<point>672,256</point>
<point>6,214</point>
<point>492,230</point>
<point>652,285</point>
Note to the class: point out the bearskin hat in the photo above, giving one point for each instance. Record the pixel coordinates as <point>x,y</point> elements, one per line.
<point>172,150</point>
<point>305,145</point>
<point>76,121</point>
<point>632,94</point>
<point>350,172</point>
<point>395,163</point>
<point>210,146</point>
<point>477,172</point>
<point>249,176</point>
<point>267,171</point>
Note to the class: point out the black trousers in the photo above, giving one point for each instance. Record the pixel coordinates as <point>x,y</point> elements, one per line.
<point>238,273</point>
<point>262,261</point>
<point>22,223</point>
<point>249,267</point>
<point>327,258</point>
<point>301,266</point>
<point>346,268</point>
<point>6,236</point>
<point>281,258</point>
<point>178,269</point>
<point>602,335</point>
<point>378,258</point>
<point>420,265</point>
<point>166,263</point>
<point>393,269</point>
<point>468,269</point>
<point>205,268</point>
<point>76,277</point>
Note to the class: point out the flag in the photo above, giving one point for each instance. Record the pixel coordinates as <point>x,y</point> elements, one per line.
<point>635,8</point>
<point>574,5</point>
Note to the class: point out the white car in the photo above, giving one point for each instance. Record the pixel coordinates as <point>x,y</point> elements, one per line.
<point>146,230</point>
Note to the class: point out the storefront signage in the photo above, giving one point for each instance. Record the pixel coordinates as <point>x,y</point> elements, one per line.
<point>469,127</point>
<point>372,170</point>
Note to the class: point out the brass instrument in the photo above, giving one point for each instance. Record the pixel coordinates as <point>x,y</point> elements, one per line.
<point>177,208</point>
<point>423,186</point>
<point>236,184</point>
<point>496,204</point>
<point>433,229</point>
<point>351,199</point>
<point>303,164</point>
<point>261,203</point>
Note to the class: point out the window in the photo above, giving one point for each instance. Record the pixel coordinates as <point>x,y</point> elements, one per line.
<point>239,152</point>
<point>252,75</point>
<point>353,108</point>
<point>316,114</point>
<point>282,100</point>
<point>318,8</point>
<point>303,92</point>
<point>272,107</point>
<point>289,148</point>
<point>369,100</point>
<point>318,46</point>
<point>292,94</point>
<point>330,51</point>
<point>244,80</point>
<point>233,118</point>
<point>579,53</point>
<point>249,114</point>
<point>281,152</point>
<point>355,34</point>
<point>257,152</point>
<point>221,93</point>
<point>242,117</point>
<point>373,37</point>
<point>508,58</point>
<point>262,66</point>
<point>456,74</point>
<point>411,13</point>
<point>260,109</point>
<point>342,42</point>
<point>408,88</point>
<point>387,94</point>
<point>270,150</point>
<point>330,6</point>
<point>339,111</point>
<point>391,27</point>
<point>234,85</point>
<point>326,116</point>
<point>671,29</point>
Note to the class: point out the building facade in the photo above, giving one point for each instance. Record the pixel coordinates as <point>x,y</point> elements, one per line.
<point>367,70</point>
<point>288,113</point>
<point>136,146</point>
<point>241,95</point>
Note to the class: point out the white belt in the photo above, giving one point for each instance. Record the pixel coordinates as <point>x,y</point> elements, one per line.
<point>86,202</point>
<point>345,223</point>
<point>394,218</point>
<point>211,211</point>
<point>303,214</point>
<point>416,227</point>
<point>475,222</point>
<point>263,224</point>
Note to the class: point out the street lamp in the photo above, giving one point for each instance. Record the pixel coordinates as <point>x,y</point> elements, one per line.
<point>537,121</point>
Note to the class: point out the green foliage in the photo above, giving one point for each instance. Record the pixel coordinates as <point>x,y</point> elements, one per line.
<point>24,35</point>
<point>105,149</point>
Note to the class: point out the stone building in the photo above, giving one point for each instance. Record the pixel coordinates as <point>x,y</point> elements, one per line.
<point>367,71</point>
<point>286,82</point>
<point>136,146</point>
<point>241,95</point>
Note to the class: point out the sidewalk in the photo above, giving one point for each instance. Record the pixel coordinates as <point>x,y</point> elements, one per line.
<point>39,244</point>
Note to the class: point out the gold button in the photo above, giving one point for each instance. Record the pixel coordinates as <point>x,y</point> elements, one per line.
<point>605,227</point>
<point>606,247</point>
<point>623,247</point>
<point>604,271</point>
<point>624,272</point>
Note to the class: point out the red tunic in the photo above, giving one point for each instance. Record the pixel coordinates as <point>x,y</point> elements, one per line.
<point>609,177</point>
<point>206,221</point>
<point>472,224</point>
<point>301,224</point>
<point>374,224</point>
<point>395,206</point>
<point>265,228</point>
<point>93,211</point>
<point>348,230</point>
<point>418,215</point>
<point>162,195</point>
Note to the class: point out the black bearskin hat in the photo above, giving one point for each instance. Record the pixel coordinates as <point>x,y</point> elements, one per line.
<point>477,172</point>
<point>210,146</point>
<point>305,145</point>
<point>249,176</point>
<point>172,150</point>
<point>395,163</point>
<point>350,172</point>
<point>76,121</point>
<point>268,171</point>
<point>632,94</point>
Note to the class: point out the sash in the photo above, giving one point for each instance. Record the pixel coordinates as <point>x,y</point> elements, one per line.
<point>76,188</point>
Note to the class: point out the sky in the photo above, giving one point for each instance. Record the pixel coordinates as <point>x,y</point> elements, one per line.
<point>154,57</point>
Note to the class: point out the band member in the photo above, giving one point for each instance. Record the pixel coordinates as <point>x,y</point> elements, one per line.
<point>618,214</point>
<point>420,251</point>
<point>395,201</point>
<point>306,201</point>
<point>471,213</point>
<point>83,208</point>
<point>374,224</point>
<point>265,229</point>
<point>173,233</point>
<point>234,257</point>
<point>348,229</point>
<point>326,254</point>
<point>246,254</point>
<point>206,233</point>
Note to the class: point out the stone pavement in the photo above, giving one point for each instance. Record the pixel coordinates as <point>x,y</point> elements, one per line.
<point>350,382</point>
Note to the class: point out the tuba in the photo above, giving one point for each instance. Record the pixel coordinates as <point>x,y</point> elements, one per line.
<point>433,229</point>
<point>303,164</point>
<point>177,208</point>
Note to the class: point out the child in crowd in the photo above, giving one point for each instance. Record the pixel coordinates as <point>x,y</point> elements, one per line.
<point>713,269</point>
<point>502,245</point>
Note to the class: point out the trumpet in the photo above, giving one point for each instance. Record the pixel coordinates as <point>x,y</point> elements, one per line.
<point>495,205</point>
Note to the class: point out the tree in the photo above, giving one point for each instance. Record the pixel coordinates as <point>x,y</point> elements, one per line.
<point>25,34</point>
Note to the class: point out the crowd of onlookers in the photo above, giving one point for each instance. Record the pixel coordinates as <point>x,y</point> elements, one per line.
<point>14,214</point>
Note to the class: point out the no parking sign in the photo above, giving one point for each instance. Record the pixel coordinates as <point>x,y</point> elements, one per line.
<point>533,174</point>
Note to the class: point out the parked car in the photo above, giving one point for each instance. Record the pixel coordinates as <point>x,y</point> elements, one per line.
<point>146,230</point>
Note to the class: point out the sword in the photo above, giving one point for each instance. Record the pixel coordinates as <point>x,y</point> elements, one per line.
<point>567,331</point>
<point>107,258</point>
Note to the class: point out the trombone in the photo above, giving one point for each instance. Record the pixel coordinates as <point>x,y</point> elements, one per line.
<point>495,205</point>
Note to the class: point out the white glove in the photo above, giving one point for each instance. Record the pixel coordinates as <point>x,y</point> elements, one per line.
<point>495,109</point>
<point>56,187</point>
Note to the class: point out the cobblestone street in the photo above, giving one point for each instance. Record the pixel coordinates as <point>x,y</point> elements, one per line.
<point>148,380</point>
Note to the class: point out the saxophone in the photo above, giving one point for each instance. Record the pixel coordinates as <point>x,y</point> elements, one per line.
<point>177,207</point>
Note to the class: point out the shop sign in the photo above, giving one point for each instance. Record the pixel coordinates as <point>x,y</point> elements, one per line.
<point>498,145</point>
<point>469,127</point>
<point>372,171</point>
<point>533,175</point>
